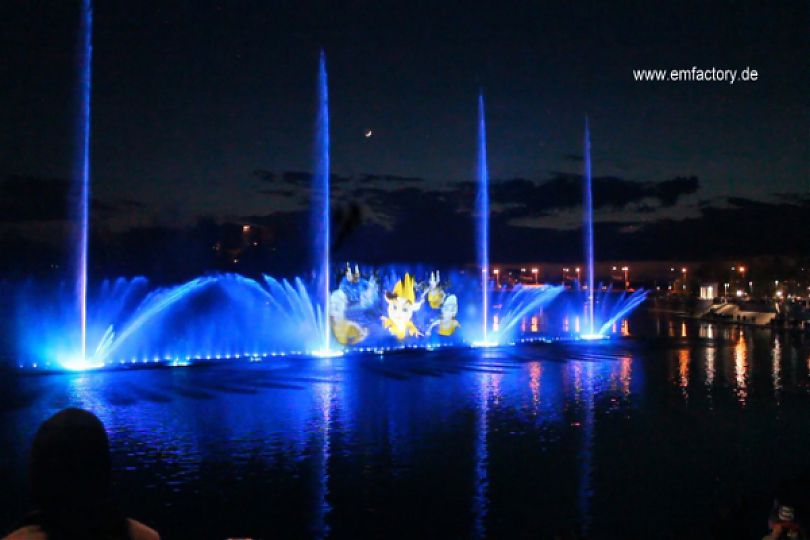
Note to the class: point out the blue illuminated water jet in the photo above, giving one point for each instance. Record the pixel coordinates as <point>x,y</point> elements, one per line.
<point>516,305</point>
<point>321,199</point>
<point>482,212</point>
<point>83,165</point>
<point>614,309</point>
<point>588,230</point>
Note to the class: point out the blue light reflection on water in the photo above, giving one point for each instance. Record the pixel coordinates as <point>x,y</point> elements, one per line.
<point>478,442</point>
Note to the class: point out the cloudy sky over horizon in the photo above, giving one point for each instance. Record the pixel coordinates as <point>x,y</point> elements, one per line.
<point>200,108</point>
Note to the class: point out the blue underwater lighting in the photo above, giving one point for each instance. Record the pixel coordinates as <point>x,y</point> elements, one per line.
<point>338,309</point>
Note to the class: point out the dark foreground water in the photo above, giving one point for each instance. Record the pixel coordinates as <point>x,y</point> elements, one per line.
<point>678,429</point>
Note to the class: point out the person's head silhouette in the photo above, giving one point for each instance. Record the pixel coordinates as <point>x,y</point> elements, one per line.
<point>70,462</point>
<point>71,483</point>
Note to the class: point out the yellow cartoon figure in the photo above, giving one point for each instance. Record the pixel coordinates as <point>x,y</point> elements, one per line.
<point>447,322</point>
<point>401,306</point>
<point>435,293</point>
<point>345,331</point>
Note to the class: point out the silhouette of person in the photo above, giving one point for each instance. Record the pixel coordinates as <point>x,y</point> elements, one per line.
<point>70,476</point>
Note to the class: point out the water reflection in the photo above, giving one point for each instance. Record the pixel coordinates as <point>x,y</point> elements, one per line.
<point>535,372</point>
<point>583,376</point>
<point>489,396</point>
<point>482,443</point>
<point>626,374</point>
<point>683,372</point>
<point>741,368</point>
<point>776,366</point>
<point>326,393</point>
<point>710,359</point>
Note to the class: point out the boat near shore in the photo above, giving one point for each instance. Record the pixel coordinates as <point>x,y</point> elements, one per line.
<point>794,315</point>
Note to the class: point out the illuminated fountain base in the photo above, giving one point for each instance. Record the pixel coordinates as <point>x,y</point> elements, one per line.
<point>484,344</point>
<point>326,353</point>
<point>593,337</point>
<point>232,317</point>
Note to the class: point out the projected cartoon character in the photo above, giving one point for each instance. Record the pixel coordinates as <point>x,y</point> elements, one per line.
<point>435,293</point>
<point>346,332</point>
<point>447,322</point>
<point>369,292</point>
<point>361,292</point>
<point>402,305</point>
<point>350,284</point>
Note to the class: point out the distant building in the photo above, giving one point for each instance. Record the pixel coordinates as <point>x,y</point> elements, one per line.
<point>709,291</point>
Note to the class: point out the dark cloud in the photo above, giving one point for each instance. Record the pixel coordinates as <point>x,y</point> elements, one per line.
<point>669,191</point>
<point>388,179</point>
<point>528,198</point>
<point>437,230</point>
<point>733,227</point>
<point>300,179</point>
<point>513,198</point>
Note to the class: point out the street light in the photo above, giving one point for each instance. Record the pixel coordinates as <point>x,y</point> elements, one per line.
<point>683,271</point>
<point>626,270</point>
<point>535,271</point>
<point>497,282</point>
<point>577,269</point>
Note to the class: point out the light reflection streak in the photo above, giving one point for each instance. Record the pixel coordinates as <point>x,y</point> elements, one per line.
<point>776,366</point>
<point>535,373</point>
<point>710,369</point>
<point>489,394</point>
<point>326,394</point>
<point>626,374</point>
<point>683,372</point>
<point>584,390</point>
<point>741,368</point>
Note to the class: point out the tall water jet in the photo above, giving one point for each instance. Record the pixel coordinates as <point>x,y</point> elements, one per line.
<point>320,195</point>
<point>588,230</point>
<point>482,210</point>
<point>82,175</point>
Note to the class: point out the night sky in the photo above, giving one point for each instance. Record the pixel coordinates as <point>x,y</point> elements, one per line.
<point>207,109</point>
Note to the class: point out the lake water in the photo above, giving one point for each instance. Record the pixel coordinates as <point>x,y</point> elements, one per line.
<point>681,427</point>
